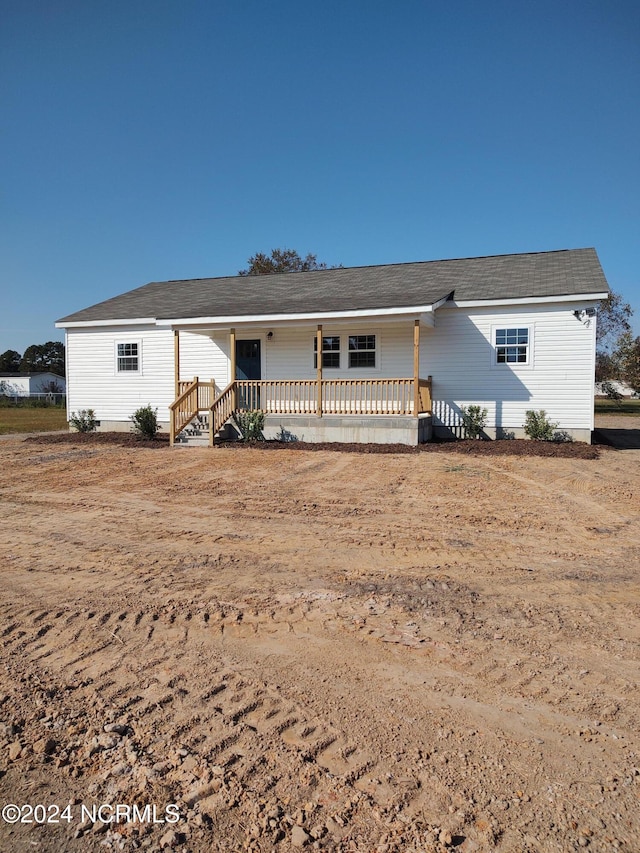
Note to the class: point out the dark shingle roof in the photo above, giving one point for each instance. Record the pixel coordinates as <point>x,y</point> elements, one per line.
<point>539,274</point>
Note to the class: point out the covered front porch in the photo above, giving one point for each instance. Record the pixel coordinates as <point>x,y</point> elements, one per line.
<point>319,408</point>
<point>294,401</point>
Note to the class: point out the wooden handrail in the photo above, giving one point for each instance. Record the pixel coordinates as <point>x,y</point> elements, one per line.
<point>221,410</point>
<point>186,390</point>
<point>182,410</point>
<point>195,396</point>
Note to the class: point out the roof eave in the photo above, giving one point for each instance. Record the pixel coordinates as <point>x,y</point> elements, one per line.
<point>85,324</point>
<point>308,316</point>
<point>528,300</point>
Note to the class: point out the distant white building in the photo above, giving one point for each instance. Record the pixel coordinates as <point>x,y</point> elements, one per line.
<point>621,387</point>
<point>31,384</point>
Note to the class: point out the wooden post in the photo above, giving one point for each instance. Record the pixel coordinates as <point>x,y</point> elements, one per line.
<point>416,368</point>
<point>319,369</point>
<point>232,364</point>
<point>232,354</point>
<point>176,361</point>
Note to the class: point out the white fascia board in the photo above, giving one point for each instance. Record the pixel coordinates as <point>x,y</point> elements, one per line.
<point>86,324</point>
<point>441,302</point>
<point>529,300</point>
<point>240,319</point>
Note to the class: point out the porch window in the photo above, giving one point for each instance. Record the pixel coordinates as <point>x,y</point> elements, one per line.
<point>128,357</point>
<point>362,350</point>
<point>330,351</point>
<point>512,346</point>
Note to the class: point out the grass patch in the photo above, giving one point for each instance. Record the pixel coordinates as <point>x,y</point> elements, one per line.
<point>27,419</point>
<point>623,407</point>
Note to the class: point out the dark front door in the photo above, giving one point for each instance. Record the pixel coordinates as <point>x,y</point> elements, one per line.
<point>248,367</point>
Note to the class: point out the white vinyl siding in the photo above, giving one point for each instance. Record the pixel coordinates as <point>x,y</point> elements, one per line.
<point>205,356</point>
<point>559,375</point>
<point>93,380</point>
<point>96,383</point>
<point>290,355</point>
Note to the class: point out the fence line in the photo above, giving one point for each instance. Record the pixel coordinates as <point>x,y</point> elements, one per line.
<point>49,397</point>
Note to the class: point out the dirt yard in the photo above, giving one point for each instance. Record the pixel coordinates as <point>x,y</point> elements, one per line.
<point>318,650</point>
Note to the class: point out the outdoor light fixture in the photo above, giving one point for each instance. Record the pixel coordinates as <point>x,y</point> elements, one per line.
<point>270,336</point>
<point>584,314</point>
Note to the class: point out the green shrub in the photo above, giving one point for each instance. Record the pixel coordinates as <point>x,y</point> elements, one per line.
<point>474,420</point>
<point>538,426</point>
<point>145,422</point>
<point>250,425</point>
<point>84,420</point>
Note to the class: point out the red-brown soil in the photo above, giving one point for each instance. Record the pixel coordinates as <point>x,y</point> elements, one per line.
<point>320,649</point>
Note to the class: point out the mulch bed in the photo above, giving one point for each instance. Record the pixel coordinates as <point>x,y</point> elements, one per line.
<point>511,447</point>
<point>119,439</point>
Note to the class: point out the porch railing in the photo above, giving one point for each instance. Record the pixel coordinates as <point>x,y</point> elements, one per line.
<point>206,391</point>
<point>339,396</point>
<point>425,399</point>
<point>221,410</point>
<point>367,396</point>
<point>193,396</point>
<point>298,397</point>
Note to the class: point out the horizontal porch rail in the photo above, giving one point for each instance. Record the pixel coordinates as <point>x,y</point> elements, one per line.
<point>278,396</point>
<point>367,396</point>
<point>339,396</point>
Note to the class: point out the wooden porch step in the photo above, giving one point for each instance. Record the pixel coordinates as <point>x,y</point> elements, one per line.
<point>196,433</point>
<point>195,440</point>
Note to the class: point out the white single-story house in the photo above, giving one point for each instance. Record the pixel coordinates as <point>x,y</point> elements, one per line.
<point>373,354</point>
<point>31,384</point>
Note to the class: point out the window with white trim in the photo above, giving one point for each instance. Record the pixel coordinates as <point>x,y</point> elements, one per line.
<point>330,351</point>
<point>362,350</point>
<point>512,346</point>
<point>128,357</point>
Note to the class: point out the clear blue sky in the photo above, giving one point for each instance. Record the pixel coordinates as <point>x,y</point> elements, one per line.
<point>146,141</point>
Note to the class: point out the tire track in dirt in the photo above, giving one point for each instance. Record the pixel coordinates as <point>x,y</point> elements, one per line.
<point>363,660</point>
<point>243,724</point>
